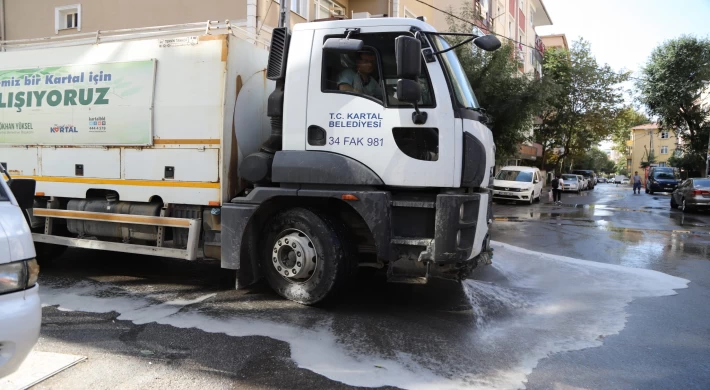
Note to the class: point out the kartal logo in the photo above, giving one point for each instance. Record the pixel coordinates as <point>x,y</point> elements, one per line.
<point>63,129</point>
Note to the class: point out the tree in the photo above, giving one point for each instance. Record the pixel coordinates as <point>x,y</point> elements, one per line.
<point>674,78</point>
<point>584,103</point>
<point>625,120</point>
<point>510,100</point>
<point>597,161</point>
<point>621,168</point>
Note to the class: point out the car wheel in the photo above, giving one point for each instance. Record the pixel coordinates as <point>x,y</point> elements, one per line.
<point>532,198</point>
<point>306,256</point>
<point>650,192</point>
<point>646,190</point>
<point>674,205</point>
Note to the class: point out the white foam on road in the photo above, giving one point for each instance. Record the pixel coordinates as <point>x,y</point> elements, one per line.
<point>528,306</point>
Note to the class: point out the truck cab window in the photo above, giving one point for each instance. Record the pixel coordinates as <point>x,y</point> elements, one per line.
<point>371,72</point>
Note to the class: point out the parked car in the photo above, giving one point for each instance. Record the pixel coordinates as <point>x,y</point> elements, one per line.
<point>572,183</point>
<point>662,179</point>
<point>601,180</point>
<point>589,176</point>
<point>618,179</point>
<point>625,180</point>
<point>584,181</point>
<point>20,310</point>
<point>692,194</point>
<point>518,184</point>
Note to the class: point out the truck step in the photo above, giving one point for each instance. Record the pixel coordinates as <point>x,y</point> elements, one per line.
<point>413,241</point>
<point>404,279</point>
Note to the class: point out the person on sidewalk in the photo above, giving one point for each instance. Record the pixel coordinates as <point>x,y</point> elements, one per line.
<point>557,186</point>
<point>637,182</point>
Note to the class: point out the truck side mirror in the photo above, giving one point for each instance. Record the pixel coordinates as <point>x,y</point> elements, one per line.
<point>408,51</point>
<point>487,42</point>
<point>342,45</point>
<point>24,192</point>
<point>408,91</point>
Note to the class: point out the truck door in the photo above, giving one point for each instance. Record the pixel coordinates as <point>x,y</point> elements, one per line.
<point>352,98</point>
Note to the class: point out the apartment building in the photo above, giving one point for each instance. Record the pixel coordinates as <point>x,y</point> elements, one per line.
<point>646,138</point>
<point>23,19</point>
<point>557,41</point>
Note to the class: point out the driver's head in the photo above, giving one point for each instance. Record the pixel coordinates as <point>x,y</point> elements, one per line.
<point>366,62</point>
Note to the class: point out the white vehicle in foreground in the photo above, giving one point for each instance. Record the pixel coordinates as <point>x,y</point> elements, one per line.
<point>20,310</point>
<point>518,184</point>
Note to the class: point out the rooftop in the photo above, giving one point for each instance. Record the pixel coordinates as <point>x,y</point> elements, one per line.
<point>647,126</point>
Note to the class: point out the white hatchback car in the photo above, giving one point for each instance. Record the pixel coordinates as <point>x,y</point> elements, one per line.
<point>20,310</point>
<point>518,183</point>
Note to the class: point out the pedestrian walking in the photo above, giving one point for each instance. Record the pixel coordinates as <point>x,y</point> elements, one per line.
<point>637,183</point>
<point>557,186</point>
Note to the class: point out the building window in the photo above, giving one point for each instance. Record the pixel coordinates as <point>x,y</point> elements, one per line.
<point>409,14</point>
<point>662,164</point>
<point>510,30</point>
<point>67,17</point>
<point>664,149</point>
<point>328,8</point>
<point>664,134</point>
<point>300,7</point>
<point>531,16</point>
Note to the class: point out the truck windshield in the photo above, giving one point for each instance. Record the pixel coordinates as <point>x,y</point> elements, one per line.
<point>461,87</point>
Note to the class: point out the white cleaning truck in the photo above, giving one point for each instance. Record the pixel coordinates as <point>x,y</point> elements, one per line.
<point>338,145</point>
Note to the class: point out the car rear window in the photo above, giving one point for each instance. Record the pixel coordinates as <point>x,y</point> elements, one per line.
<point>569,177</point>
<point>701,183</point>
<point>515,176</point>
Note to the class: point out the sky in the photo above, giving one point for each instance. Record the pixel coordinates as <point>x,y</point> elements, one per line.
<point>624,32</point>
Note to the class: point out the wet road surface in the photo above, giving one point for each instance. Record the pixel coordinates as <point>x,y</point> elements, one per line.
<point>535,319</point>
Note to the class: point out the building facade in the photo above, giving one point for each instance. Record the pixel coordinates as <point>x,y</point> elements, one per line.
<point>647,138</point>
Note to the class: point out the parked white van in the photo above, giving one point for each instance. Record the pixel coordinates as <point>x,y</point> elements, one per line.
<point>20,310</point>
<point>522,184</point>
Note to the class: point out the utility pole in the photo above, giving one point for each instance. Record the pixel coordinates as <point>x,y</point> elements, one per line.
<point>285,13</point>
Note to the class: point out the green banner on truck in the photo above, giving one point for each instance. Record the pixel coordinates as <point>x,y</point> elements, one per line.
<point>92,104</point>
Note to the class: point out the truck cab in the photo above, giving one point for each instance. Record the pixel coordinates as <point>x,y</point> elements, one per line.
<point>377,134</point>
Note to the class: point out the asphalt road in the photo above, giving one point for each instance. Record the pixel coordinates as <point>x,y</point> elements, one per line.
<point>530,320</point>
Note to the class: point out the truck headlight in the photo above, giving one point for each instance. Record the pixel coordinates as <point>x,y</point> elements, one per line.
<point>18,275</point>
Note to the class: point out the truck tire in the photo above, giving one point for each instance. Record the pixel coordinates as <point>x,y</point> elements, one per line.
<point>314,246</point>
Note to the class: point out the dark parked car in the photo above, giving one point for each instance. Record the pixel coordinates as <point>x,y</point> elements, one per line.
<point>692,194</point>
<point>662,179</point>
<point>589,175</point>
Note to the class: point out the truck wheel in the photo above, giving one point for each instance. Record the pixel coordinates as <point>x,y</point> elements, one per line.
<point>306,257</point>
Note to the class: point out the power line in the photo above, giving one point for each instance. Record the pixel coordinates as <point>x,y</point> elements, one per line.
<point>474,24</point>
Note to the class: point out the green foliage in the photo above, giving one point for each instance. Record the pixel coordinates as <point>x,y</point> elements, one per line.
<point>624,121</point>
<point>674,78</point>
<point>583,101</point>
<point>510,100</point>
<point>621,168</point>
<point>597,161</point>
